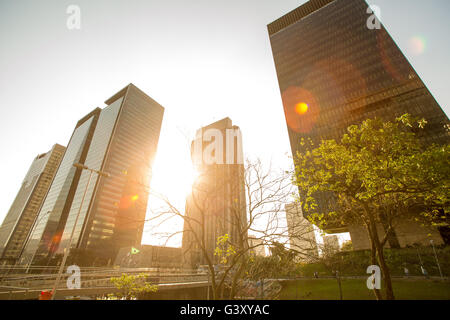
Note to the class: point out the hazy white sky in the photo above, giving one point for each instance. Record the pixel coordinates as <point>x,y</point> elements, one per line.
<point>202,60</point>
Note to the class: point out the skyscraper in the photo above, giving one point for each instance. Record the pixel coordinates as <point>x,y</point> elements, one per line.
<point>334,71</point>
<point>112,209</point>
<point>216,205</point>
<point>46,232</point>
<point>25,208</point>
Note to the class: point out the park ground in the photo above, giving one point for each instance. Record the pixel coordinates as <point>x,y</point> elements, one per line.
<point>356,289</point>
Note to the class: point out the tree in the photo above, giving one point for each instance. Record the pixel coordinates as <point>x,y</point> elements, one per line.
<point>131,286</point>
<point>376,175</point>
<point>432,173</point>
<point>267,191</point>
<point>347,246</point>
<point>280,263</point>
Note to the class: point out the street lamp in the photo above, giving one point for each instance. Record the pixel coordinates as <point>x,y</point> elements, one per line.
<point>437,261</point>
<point>67,249</point>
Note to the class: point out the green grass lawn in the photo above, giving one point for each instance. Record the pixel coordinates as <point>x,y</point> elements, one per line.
<point>356,289</point>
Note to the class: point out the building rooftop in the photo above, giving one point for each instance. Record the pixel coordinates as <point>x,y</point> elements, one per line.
<point>296,15</point>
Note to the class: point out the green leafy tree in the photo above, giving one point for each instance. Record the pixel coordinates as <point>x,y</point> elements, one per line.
<point>131,286</point>
<point>376,175</point>
<point>279,264</point>
<point>224,249</point>
<point>347,246</point>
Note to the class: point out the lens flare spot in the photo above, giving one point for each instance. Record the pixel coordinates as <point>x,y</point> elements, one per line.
<point>301,108</point>
<point>300,116</point>
<point>388,57</point>
<point>135,197</point>
<point>417,45</point>
<point>56,238</point>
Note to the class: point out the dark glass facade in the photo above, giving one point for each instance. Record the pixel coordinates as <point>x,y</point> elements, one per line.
<point>329,60</point>
<point>94,160</point>
<point>333,71</point>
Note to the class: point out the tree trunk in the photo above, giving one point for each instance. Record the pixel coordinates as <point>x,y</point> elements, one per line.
<point>389,230</point>
<point>373,260</point>
<point>236,278</point>
<point>212,275</point>
<point>379,250</point>
<point>386,272</point>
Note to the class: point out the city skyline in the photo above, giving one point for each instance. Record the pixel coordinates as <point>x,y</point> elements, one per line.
<point>255,94</point>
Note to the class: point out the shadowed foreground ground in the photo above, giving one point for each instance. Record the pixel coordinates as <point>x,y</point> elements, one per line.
<point>356,289</point>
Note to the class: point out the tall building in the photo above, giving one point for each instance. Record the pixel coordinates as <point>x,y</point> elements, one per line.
<point>216,206</point>
<point>111,209</point>
<point>302,238</point>
<point>334,70</point>
<point>46,233</point>
<point>24,210</point>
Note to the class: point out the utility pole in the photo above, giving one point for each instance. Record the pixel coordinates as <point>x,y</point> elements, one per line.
<point>338,277</point>
<point>420,259</point>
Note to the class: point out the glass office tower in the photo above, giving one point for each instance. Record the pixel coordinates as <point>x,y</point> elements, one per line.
<point>52,217</point>
<point>25,208</point>
<point>112,213</point>
<point>216,205</point>
<point>335,71</point>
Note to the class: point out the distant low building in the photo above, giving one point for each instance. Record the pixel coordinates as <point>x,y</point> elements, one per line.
<point>330,244</point>
<point>257,246</point>
<point>302,238</point>
<point>148,256</point>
